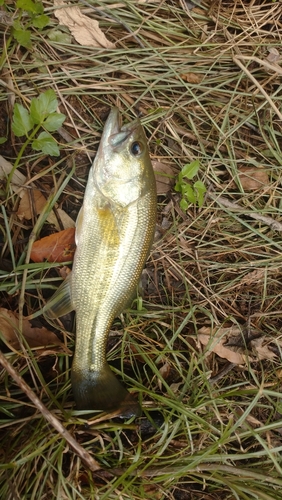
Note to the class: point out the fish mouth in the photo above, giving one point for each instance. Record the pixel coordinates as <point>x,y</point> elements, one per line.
<point>112,125</point>
<point>115,135</point>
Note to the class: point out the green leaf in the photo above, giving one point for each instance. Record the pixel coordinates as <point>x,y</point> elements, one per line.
<point>2,2</point>
<point>184,204</point>
<point>17,24</point>
<point>200,189</point>
<point>23,37</point>
<point>30,6</point>
<point>53,121</point>
<point>2,140</point>
<point>190,169</point>
<point>40,21</point>
<point>59,37</point>
<point>178,186</point>
<point>200,186</point>
<point>189,193</point>
<point>22,122</point>
<point>47,144</point>
<point>42,106</point>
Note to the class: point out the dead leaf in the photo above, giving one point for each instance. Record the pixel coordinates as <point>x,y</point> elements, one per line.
<point>175,387</point>
<point>30,199</point>
<point>273,55</point>
<point>252,178</point>
<point>189,4</point>
<point>255,276</point>
<point>65,219</point>
<point>164,372</point>
<point>152,491</point>
<point>35,337</point>
<point>33,202</point>
<point>10,82</point>
<point>215,340</point>
<point>18,179</point>
<point>192,77</point>
<point>57,247</point>
<point>164,176</point>
<point>64,271</point>
<point>261,349</point>
<point>85,30</point>
<point>254,422</point>
<point>36,197</point>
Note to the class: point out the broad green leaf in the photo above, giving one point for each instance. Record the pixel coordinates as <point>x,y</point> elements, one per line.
<point>22,122</point>
<point>2,140</point>
<point>200,189</point>
<point>23,37</point>
<point>59,36</point>
<point>184,204</point>
<point>30,6</point>
<point>2,2</point>
<point>200,186</point>
<point>190,169</point>
<point>188,192</point>
<point>177,186</point>
<point>17,24</point>
<point>53,121</point>
<point>47,144</point>
<point>40,21</point>
<point>42,106</point>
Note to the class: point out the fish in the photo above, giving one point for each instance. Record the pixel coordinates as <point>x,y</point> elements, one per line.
<point>114,233</point>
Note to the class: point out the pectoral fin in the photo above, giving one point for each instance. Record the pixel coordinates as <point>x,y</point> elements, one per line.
<point>60,303</point>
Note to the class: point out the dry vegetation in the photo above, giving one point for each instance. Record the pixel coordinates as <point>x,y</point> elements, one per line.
<point>202,351</point>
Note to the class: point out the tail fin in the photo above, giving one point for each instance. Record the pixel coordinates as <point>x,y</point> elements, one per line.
<point>101,390</point>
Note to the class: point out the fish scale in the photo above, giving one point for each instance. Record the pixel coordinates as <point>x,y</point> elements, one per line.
<point>110,297</point>
<point>114,233</point>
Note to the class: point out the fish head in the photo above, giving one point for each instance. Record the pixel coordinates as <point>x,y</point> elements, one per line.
<point>122,168</point>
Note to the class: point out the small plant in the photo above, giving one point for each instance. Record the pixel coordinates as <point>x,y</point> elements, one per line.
<point>41,114</point>
<point>191,193</point>
<point>32,13</point>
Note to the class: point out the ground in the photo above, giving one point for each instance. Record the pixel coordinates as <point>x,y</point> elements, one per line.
<point>201,347</point>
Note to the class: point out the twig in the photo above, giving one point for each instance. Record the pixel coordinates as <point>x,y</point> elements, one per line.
<point>77,448</point>
<point>276,226</point>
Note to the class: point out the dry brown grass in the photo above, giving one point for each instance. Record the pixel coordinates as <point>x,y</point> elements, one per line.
<point>207,84</point>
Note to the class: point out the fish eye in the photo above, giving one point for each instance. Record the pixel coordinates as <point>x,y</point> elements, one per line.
<point>136,148</point>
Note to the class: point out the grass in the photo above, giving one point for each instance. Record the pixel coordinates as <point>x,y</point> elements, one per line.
<point>207,84</point>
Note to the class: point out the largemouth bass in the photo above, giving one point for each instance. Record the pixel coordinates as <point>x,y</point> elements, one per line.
<point>114,233</point>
